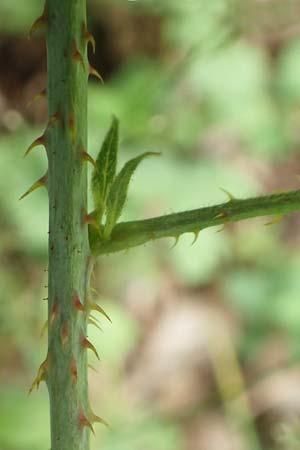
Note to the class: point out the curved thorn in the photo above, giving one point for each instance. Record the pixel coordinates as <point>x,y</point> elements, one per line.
<point>95,307</point>
<point>196,234</point>
<point>40,22</point>
<point>39,183</point>
<point>231,198</point>
<point>176,241</point>
<point>221,215</point>
<point>36,97</point>
<point>222,228</point>
<point>276,219</point>
<point>53,119</point>
<point>93,368</point>
<point>89,38</point>
<point>93,322</point>
<point>83,421</point>
<point>87,344</point>
<point>77,303</point>
<point>89,219</point>
<point>41,140</point>
<point>95,73</point>
<point>98,419</point>
<point>94,319</point>
<point>86,157</point>
<point>41,375</point>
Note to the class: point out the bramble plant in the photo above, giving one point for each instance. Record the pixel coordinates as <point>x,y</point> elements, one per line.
<point>76,237</point>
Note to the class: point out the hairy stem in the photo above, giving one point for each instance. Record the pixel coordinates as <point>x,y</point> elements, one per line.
<point>66,137</point>
<point>131,234</point>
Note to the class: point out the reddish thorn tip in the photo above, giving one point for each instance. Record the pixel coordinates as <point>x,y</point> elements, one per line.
<point>89,38</point>
<point>77,303</point>
<point>87,344</point>
<point>95,73</point>
<point>83,421</point>
<point>86,157</point>
<point>41,140</point>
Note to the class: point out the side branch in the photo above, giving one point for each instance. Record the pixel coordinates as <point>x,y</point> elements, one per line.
<point>126,235</point>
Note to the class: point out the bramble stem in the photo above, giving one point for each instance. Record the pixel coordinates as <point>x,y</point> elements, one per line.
<point>66,368</point>
<point>126,235</point>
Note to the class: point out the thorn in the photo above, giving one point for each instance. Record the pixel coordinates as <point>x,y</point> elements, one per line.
<point>276,219</point>
<point>72,127</point>
<point>222,228</point>
<point>231,198</point>
<point>220,215</point>
<point>89,219</point>
<point>74,370</point>
<point>95,307</point>
<point>54,313</point>
<point>98,419</point>
<point>41,140</point>
<point>77,303</point>
<point>176,241</point>
<point>87,344</point>
<point>52,120</point>
<point>93,289</point>
<point>39,183</point>
<point>88,37</point>
<point>83,421</point>
<point>64,335</point>
<point>36,97</point>
<point>196,234</point>
<point>40,22</point>
<point>41,375</point>
<point>93,368</point>
<point>95,73</point>
<point>44,328</point>
<point>94,318</point>
<point>88,158</point>
<point>77,55</point>
<point>93,322</point>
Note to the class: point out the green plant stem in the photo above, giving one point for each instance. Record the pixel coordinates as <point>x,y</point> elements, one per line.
<point>68,238</point>
<point>126,235</point>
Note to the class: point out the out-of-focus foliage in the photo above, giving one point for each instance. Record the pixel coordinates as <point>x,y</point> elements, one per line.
<point>215,87</point>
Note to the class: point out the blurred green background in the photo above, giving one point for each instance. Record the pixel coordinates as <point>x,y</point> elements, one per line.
<point>203,352</point>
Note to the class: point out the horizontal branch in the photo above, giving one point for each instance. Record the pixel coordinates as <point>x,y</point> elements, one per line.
<point>126,235</point>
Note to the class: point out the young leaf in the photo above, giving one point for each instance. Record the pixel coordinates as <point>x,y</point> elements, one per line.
<point>118,192</point>
<point>105,170</point>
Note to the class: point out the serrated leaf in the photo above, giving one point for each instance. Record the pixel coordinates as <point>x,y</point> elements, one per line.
<point>118,192</point>
<point>105,170</point>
